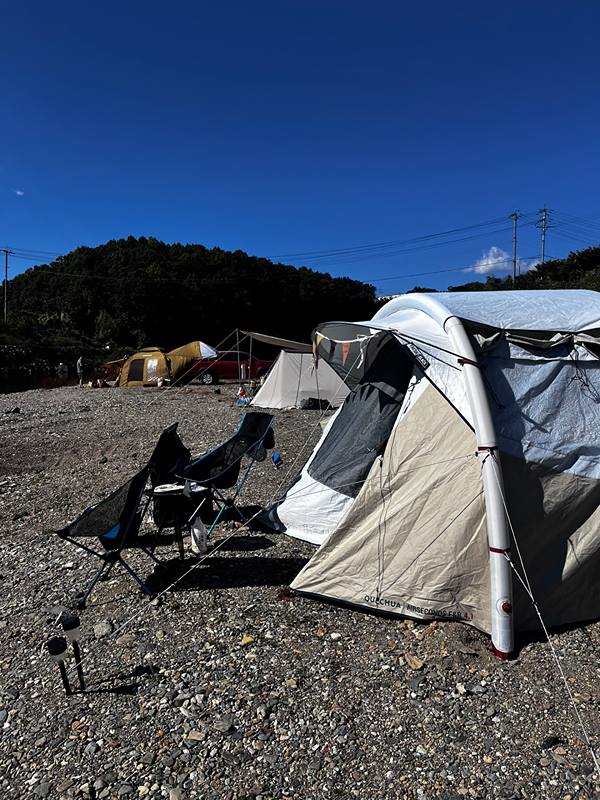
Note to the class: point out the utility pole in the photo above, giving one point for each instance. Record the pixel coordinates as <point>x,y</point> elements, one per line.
<point>7,253</point>
<point>544,224</point>
<point>514,216</point>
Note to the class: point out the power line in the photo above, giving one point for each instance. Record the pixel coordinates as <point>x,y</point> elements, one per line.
<point>566,227</point>
<point>457,269</point>
<point>373,252</point>
<point>395,243</point>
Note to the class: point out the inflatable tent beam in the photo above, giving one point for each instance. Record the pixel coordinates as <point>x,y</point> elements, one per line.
<point>493,486</point>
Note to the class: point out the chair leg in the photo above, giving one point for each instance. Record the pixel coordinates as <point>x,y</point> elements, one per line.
<point>152,556</point>
<point>217,518</point>
<point>135,577</point>
<point>159,530</point>
<point>95,580</point>
<point>237,511</point>
<point>179,537</point>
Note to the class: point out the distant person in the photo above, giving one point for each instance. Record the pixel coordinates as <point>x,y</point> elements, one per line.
<point>80,370</point>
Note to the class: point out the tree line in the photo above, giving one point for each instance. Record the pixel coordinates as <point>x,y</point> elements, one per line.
<point>127,294</point>
<point>579,270</point>
<point>132,293</point>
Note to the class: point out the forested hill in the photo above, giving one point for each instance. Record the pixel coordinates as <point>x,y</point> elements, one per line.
<point>138,292</point>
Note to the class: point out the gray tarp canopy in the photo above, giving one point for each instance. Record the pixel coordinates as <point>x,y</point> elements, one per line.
<point>286,344</point>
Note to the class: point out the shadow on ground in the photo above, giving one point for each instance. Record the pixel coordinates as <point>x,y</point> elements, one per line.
<point>227,571</point>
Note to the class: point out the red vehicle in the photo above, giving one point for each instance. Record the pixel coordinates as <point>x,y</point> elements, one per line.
<point>229,364</point>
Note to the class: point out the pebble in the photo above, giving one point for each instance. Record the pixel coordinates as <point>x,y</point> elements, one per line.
<point>102,629</point>
<point>332,703</point>
<point>224,724</point>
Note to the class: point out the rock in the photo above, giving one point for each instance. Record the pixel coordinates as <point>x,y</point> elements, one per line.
<point>189,713</point>
<point>413,662</point>
<point>177,794</point>
<point>103,629</point>
<point>42,789</point>
<point>550,741</point>
<point>224,724</point>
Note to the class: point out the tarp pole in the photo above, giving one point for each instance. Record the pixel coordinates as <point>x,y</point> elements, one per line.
<point>493,487</point>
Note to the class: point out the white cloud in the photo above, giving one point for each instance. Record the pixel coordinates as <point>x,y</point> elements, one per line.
<point>497,260</point>
<point>19,192</point>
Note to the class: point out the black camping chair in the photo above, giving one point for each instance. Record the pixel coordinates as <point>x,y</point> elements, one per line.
<point>170,457</point>
<point>221,468</point>
<point>115,523</point>
<point>174,506</point>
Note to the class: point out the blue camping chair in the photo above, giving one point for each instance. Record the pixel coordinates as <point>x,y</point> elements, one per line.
<point>223,469</point>
<point>115,523</point>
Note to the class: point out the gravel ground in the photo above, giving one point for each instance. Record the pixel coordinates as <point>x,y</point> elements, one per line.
<point>228,686</point>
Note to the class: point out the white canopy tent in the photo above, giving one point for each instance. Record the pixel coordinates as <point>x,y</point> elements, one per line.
<point>467,452</point>
<point>294,377</point>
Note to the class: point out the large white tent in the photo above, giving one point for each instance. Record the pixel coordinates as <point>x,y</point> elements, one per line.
<point>461,477</point>
<point>295,377</point>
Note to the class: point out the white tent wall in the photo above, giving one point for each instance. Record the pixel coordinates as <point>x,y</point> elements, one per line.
<point>330,481</point>
<point>531,399</point>
<point>294,377</point>
<point>308,510</point>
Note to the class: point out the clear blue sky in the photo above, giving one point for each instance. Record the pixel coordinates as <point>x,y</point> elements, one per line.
<point>280,127</point>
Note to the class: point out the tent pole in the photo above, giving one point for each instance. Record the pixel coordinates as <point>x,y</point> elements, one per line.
<point>249,375</point>
<point>493,487</point>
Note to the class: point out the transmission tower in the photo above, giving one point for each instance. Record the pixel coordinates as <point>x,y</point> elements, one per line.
<point>7,253</point>
<point>544,224</point>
